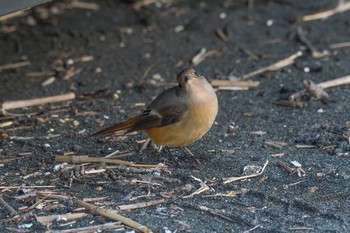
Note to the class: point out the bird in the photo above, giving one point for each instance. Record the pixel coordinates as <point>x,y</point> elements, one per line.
<point>178,116</point>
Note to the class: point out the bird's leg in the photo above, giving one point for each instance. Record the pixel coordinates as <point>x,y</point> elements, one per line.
<point>187,151</point>
<point>171,155</point>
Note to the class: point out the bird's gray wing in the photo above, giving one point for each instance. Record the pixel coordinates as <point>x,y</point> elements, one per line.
<point>168,108</point>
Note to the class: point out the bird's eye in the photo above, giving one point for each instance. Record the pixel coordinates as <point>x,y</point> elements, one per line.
<point>196,73</point>
<point>186,78</point>
<point>180,85</point>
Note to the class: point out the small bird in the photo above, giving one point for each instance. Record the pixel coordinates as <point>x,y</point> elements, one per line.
<point>179,115</point>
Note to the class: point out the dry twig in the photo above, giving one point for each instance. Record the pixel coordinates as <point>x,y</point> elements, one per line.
<point>39,101</point>
<point>203,54</point>
<point>214,212</point>
<point>233,179</point>
<point>233,85</point>
<point>139,4</point>
<point>113,216</point>
<point>141,205</point>
<point>341,7</point>
<point>116,226</point>
<point>87,159</point>
<point>9,209</point>
<point>47,220</point>
<point>276,66</point>
<point>14,65</point>
<point>204,187</point>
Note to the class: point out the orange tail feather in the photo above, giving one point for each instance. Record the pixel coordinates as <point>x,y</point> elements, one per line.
<point>121,126</point>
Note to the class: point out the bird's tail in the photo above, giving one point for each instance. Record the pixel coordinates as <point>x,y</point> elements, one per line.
<point>121,126</point>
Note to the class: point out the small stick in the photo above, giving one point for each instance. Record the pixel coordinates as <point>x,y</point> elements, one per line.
<point>27,187</point>
<point>45,220</point>
<point>275,144</point>
<point>276,66</point>
<point>285,166</point>
<point>141,205</point>
<point>339,45</point>
<point>97,228</point>
<point>39,74</point>
<point>214,212</point>
<point>228,83</point>
<point>9,209</point>
<point>203,54</point>
<point>233,179</point>
<point>84,5</point>
<point>14,65</point>
<point>12,15</point>
<point>113,216</point>
<point>204,187</point>
<point>252,55</point>
<point>87,159</point>
<point>222,35</point>
<point>33,138</point>
<point>6,124</point>
<point>137,5</point>
<point>341,7</point>
<point>143,77</point>
<point>252,229</point>
<point>300,146</point>
<point>39,101</point>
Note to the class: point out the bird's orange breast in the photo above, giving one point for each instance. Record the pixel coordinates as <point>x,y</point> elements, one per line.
<point>194,124</point>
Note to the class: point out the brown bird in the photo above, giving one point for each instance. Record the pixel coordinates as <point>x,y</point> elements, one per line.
<point>179,115</point>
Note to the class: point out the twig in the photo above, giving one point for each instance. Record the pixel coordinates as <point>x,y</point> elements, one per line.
<point>285,166</point>
<point>33,138</point>
<point>214,212</point>
<point>143,77</point>
<point>97,228</point>
<point>301,146</point>
<point>276,66</point>
<point>233,179</point>
<point>222,35</point>
<point>339,45</point>
<point>6,124</point>
<point>275,144</point>
<point>203,54</point>
<point>9,209</point>
<point>113,216</point>
<point>141,205</point>
<point>39,101</point>
<point>217,83</point>
<point>84,5</point>
<point>252,229</point>
<point>252,55</point>
<point>14,65</point>
<point>27,187</point>
<point>204,187</point>
<point>137,5</point>
<point>47,220</point>
<point>87,159</point>
<point>12,15</point>
<point>341,7</point>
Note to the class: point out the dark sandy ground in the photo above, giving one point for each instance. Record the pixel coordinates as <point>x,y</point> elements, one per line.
<point>124,43</point>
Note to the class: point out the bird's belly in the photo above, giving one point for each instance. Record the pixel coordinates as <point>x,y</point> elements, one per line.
<point>191,127</point>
